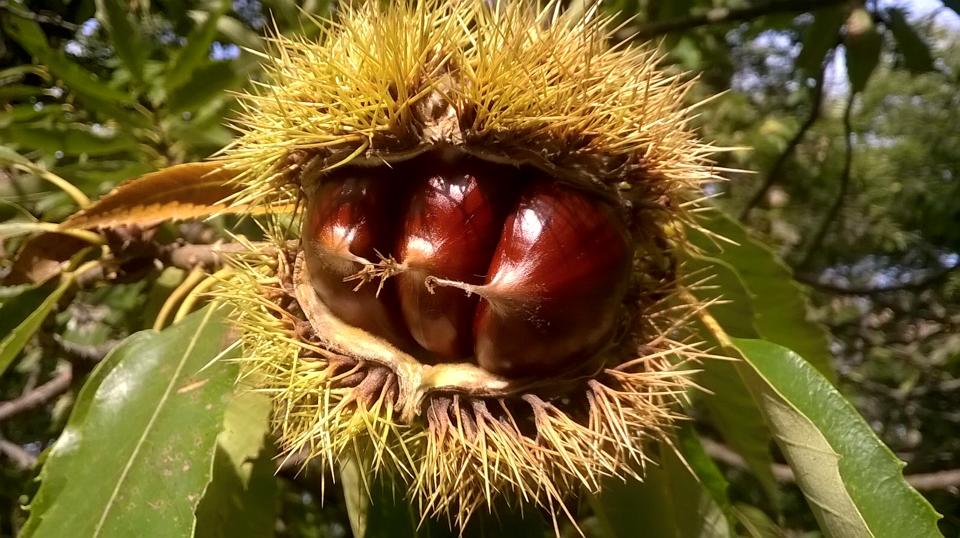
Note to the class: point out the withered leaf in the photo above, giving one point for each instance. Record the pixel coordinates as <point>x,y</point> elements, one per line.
<point>184,191</point>
<point>180,192</point>
<point>42,257</point>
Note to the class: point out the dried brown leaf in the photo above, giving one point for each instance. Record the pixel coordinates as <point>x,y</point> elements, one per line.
<point>184,191</point>
<point>42,257</point>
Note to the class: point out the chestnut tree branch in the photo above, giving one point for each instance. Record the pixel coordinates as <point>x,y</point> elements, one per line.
<point>16,453</point>
<point>37,396</point>
<point>947,479</point>
<point>721,15</point>
<point>773,175</point>
<point>930,279</point>
<point>834,209</point>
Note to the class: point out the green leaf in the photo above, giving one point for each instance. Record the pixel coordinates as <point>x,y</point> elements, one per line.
<point>138,448</point>
<point>196,52</point>
<point>21,317</point>
<point>727,402</point>
<point>29,34</point>
<point>82,141</point>
<point>779,304</point>
<point>820,37</point>
<point>863,44</point>
<point>74,140</point>
<point>241,499</point>
<point>160,291</point>
<point>207,82</point>
<point>10,92</point>
<point>9,156</point>
<point>125,39</point>
<point>852,481</point>
<point>737,418</point>
<point>708,474</point>
<point>238,33</point>
<point>373,508</point>
<point>669,503</point>
<point>915,51</point>
<point>755,522</point>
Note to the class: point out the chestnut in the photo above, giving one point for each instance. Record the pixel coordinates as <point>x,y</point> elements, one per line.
<point>451,229</point>
<point>493,264</point>
<point>554,286</point>
<point>348,221</point>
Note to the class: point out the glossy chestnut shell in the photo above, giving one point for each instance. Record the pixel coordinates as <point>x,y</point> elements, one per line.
<point>494,264</point>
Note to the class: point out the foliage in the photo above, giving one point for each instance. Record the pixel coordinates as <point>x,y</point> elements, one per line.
<point>851,110</point>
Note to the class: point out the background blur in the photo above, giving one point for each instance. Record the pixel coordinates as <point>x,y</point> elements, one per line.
<point>852,111</point>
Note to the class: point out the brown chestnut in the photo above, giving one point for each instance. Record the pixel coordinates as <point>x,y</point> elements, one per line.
<point>348,221</point>
<point>451,228</point>
<point>518,274</point>
<point>554,285</point>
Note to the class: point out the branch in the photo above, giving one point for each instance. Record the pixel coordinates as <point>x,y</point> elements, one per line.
<point>45,17</point>
<point>38,396</point>
<point>773,175</point>
<point>947,479</point>
<point>730,15</point>
<point>930,279</point>
<point>20,457</point>
<point>188,256</point>
<point>834,209</point>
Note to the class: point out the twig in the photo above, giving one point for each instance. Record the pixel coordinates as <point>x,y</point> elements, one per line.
<point>947,479</point>
<point>927,281</point>
<point>20,457</point>
<point>935,480</point>
<point>834,209</point>
<point>92,353</point>
<point>816,101</point>
<point>721,15</point>
<point>38,396</point>
<point>187,256</point>
<point>45,17</point>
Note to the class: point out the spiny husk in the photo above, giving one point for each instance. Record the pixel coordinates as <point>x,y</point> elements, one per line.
<point>508,83</point>
<point>459,447</point>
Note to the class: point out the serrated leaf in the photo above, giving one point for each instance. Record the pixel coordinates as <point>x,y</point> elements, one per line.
<point>820,37</point>
<point>851,480</point>
<point>21,317</point>
<point>915,51</point>
<point>669,503</point>
<point>241,499</point>
<point>183,191</point>
<point>138,448</point>
<point>862,46</point>
<point>196,52</point>
<point>124,38</point>
<point>778,303</point>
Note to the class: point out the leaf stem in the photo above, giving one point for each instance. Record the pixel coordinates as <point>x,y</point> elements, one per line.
<point>195,276</point>
<point>73,192</point>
